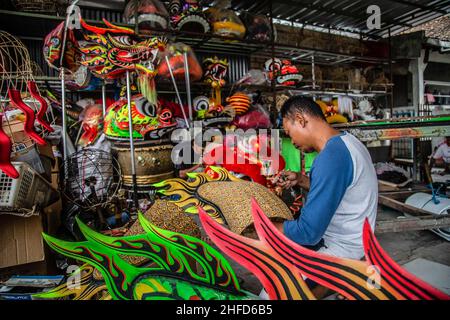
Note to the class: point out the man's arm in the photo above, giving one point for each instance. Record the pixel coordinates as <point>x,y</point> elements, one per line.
<point>330,178</point>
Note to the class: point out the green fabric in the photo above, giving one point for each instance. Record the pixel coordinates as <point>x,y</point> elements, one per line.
<point>309,159</point>
<point>291,155</point>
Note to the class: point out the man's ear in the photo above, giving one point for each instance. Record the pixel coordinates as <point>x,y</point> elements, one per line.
<point>298,117</point>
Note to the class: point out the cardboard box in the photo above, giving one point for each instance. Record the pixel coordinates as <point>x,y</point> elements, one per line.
<point>20,240</point>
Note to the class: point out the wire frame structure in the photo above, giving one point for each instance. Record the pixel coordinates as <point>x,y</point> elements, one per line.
<point>93,177</point>
<point>16,70</point>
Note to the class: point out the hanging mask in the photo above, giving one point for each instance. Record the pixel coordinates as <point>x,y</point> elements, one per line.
<point>110,52</point>
<point>92,124</point>
<point>151,15</point>
<point>52,49</point>
<point>258,26</point>
<point>187,15</point>
<point>226,23</point>
<point>215,73</point>
<point>284,71</point>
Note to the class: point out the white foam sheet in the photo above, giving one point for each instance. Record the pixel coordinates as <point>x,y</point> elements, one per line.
<point>436,274</point>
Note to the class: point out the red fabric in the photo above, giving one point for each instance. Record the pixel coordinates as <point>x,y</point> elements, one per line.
<point>5,154</point>
<point>218,156</point>
<point>252,120</point>
<point>44,106</point>
<point>17,101</point>
<point>174,107</point>
<point>109,101</point>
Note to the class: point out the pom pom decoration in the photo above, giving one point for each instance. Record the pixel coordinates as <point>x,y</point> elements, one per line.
<point>239,102</point>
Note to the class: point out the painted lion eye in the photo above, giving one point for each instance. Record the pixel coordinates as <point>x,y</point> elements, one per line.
<point>146,108</point>
<point>201,103</point>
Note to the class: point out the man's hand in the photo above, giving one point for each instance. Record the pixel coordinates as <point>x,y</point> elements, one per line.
<point>279,226</point>
<point>286,179</point>
<point>289,179</point>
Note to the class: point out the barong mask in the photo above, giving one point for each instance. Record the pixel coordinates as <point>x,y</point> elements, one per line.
<point>284,72</point>
<point>187,15</point>
<point>151,14</point>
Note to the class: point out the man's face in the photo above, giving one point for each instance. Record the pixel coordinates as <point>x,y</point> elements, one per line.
<point>296,128</point>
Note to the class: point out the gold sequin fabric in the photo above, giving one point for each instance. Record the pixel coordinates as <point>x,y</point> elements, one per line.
<point>234,201</point>
<point>164,215</point>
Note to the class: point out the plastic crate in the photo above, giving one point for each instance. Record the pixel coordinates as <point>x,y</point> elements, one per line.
<point>19,195</point>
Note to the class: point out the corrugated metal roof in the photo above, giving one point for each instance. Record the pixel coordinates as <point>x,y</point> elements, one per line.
<point>350,15</point>
<point>344,15</point>
<point>436,29</point>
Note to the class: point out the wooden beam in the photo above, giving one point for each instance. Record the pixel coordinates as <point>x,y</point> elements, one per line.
<point>412,224</point>
<point>402,195</point>
<point>402,207</point>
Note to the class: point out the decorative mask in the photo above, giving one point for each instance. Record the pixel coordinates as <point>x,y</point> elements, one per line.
<point>331,112</point>
<point>226,23</point>
<point>78,77</point>
<point>210,113</point>
<point>258,26</point>
<point>92,124</point>
<point>215,73</point>
<point>111,51</point>
<point>284,71</point>
<point>53,49</point>
<point>151,15</point>
<point>187,15</point>
<point>171,276</point>
<point>149,121</point>
<point>175,53</point>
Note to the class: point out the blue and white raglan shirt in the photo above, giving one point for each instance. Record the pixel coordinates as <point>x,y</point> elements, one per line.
<point>343,193</point>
